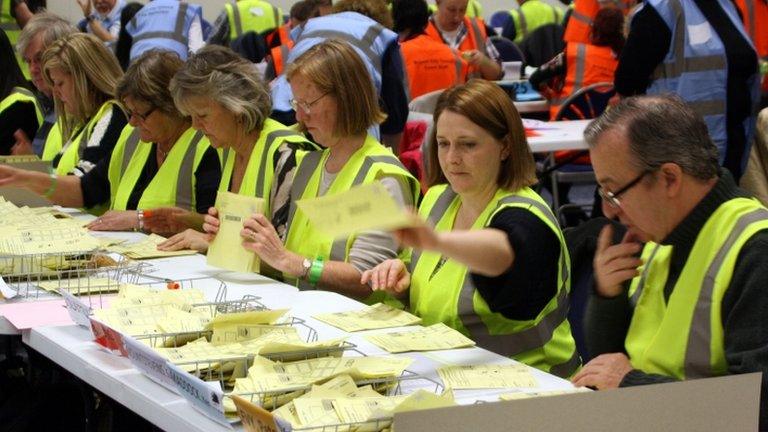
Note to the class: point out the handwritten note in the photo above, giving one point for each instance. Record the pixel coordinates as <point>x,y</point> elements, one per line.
<point>225,250</point>
<point>360,208</point>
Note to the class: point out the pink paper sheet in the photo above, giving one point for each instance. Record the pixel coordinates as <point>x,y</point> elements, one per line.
<point>25,315</point>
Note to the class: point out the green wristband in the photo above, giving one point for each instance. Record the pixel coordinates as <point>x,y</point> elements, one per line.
<point>52,188</point>
<point>316,271</point>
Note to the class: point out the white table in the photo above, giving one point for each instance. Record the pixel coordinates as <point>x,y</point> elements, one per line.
<point>559,135</point>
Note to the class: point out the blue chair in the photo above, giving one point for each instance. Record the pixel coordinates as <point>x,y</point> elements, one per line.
<point>586,103</point>
<point>500,18</point>
<point>507,49</point>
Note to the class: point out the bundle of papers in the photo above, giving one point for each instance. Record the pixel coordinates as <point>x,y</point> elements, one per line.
<point>82,286</point>
<point>372,317</point>
<point>273,378</point>
<point>26,231</point>
<point>225,250</point>
<point>147,248</point>
<point>487,376</point>
<point>435,337</point>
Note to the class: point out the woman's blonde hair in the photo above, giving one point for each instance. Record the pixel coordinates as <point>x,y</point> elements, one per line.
<point>338,71</point>
<point>219,74</point>
<point>488,106</point>
<point>148,79</point>
<point>94,70</point>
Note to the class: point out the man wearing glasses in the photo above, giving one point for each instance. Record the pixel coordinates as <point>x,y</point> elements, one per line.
<point>692,304</point>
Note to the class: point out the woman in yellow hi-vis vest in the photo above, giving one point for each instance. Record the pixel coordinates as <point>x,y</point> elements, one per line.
<point>230,104</point>
<point>159,161</point>
<point>335,101</point>
<point>83,74</point>
<point>19,109</point>
<point>495,265</point>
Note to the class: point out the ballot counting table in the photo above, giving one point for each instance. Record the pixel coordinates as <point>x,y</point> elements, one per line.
<point>72,347</point>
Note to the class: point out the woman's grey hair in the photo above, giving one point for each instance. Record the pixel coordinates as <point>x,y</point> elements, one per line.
<point>52,27</point>
<point>148,78</point>
<point>660,129</point>
<point>219,74</point>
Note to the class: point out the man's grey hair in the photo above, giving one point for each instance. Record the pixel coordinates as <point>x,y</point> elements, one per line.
<point>52,26</point>
<point>660,129</point>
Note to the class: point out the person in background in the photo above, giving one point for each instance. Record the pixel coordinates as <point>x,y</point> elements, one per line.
<point>578,21</point>
<point>531,15</point>
<point>124,40</point>
<point>450,25</point>
<point>581,65</point>
<point>335,101</point>
<point>18,105</point>
<point>40,32</point>
<point>693,304</point>
<point>83,75</point>
<point>102,18</point>
<point>242,16</point>
<point>495,265</point>
<point>155,27</point>
<point>365,25</point>
<point>713,68</point>
<point>301,11</point>
<point>754,14</point>
<point>230,104</point>
<point>429,65</point>
<point>14,15</point>
<point>159,160</point>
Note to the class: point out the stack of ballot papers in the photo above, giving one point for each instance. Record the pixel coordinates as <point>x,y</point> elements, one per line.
<point>272,384</point>
<point>340,401</point>
<point>529,395</point>
<point>487,376</point>
<point>435,337</point>
<point>147,248</point>
<point>82,286</point>
<point>372,317</point>
<point>26,231</point>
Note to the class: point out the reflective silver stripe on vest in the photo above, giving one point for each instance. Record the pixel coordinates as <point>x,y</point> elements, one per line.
<point>236,18</point>
<point>25,92</point>
<point>184,189</point>
<point>178,32</point>
<point>131,144</point>
<point>479,41</point>
<point>564,370</point>
<point>300,181</point>
<point>457,63</point>
<point>365,44</point>
<point>271,137</point>
<point>578,16</point>
<point>751,18</point>
<point>523,23</point>
<point>641,283</point>
<point>708,107</point>
<point>435,213</point>
<point>698,355</point>
<point>276,16</point>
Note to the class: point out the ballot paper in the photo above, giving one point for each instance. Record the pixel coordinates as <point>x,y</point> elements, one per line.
<point>435,337</point>
<point>266,375</point>
<point>147,248</point>
<point>526,395</point>
<point>81,286</point>
<point>226,249</point>
<point>360,208</point>
<point>487,376</point>
<point>376,316</point>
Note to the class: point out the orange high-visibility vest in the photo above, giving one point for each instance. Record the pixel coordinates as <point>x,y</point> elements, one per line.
<point>279,54</point>
<point>282,32</point>
<point>474,39</point>
<point>585,64</point>
<point>431,65</point>
<point>580,22</point>
<point>755,16</point>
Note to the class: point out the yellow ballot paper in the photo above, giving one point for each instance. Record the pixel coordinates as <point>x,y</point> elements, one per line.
<point>372,317</point>
<point>525,395</point>
<point>435,337</point>
<point>361,208</point>
<point>487,376</point>
<point>147,248</point>
<point>226,249</point>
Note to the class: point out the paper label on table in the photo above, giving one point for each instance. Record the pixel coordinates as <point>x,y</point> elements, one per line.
<point>361,208</point>
<point>435,337</point>
<point>376,316</point>
<point>6,292</point>
<point>537,124</point>
<point>207,399</point>
<point>487,376</point>
<point>226,249</point>
<point>257,419</point>
<point>108,337</point>
<point>149,362</point>
<point>78,310</point>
